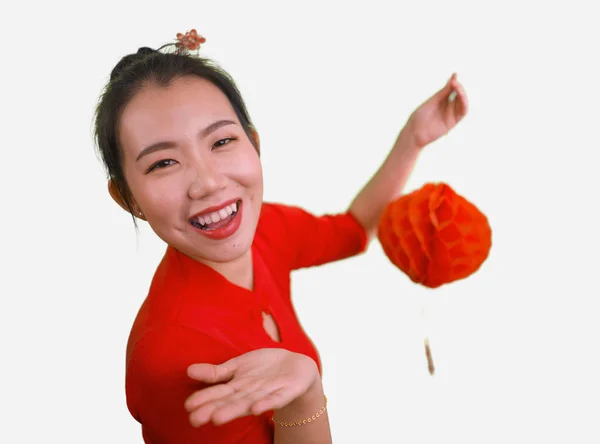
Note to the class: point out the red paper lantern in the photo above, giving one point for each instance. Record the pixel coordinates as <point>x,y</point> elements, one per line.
<point>434,235</point>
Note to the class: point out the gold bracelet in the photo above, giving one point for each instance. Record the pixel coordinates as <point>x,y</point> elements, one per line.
<point>304,421</point>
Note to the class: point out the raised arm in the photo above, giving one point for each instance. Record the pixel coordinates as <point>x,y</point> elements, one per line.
<point>433,119</point>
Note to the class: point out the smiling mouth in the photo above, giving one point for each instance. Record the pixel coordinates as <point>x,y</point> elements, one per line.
<point>216,219</point>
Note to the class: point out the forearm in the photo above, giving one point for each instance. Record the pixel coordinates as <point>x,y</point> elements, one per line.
<point>387,184</point>
<point>316,431</point>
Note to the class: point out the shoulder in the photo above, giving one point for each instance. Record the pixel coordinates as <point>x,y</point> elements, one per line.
<point>164,332</point>
<point>159,360</point>
<point>176,346</point>
<point>271,213</point>
<point>277,227</point>
<point>272,224</point>
<point>278,218</point>
<point>303,239</point>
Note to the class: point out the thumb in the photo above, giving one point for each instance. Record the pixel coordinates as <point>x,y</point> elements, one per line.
<point>446,90</point>
<point>210,373</point>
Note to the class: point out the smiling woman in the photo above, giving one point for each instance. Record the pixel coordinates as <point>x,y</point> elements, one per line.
<point>217,341</point>
<point>181,153</point>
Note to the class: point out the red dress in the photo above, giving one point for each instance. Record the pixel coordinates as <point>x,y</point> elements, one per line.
<point>193,314</point>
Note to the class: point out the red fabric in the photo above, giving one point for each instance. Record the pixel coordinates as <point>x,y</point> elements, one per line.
<point>434,235</point>
<point>193,314</point>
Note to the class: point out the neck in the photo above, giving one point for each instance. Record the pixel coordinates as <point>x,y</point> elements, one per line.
<point>239,271</point>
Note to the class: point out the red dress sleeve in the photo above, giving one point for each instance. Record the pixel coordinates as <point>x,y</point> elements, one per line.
<point>306,240</point>
<point>157,387</point>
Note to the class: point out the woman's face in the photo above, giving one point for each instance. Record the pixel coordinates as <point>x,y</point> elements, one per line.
<point>192,170</point>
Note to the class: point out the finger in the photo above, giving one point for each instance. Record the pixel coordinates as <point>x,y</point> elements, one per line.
<point>203,414</point>
<point>442,95</point>
<point>206,395</point>
<point>462,103</point>
<point>445,91</point>
<point>454,84</point>
<point>211,374</point>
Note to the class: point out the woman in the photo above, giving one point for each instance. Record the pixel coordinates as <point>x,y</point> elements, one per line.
<point>216,353</point>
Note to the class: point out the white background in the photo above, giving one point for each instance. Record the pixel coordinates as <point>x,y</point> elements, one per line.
<point>329,86</point>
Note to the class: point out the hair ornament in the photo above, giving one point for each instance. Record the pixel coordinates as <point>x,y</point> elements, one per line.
<point>186,43</point>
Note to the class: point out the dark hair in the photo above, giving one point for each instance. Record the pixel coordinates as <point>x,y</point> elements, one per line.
<point>128,77</point>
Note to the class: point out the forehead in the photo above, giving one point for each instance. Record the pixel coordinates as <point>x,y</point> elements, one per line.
<point>158,112</point>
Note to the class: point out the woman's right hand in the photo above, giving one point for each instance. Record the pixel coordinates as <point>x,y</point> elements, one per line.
<point>250,384</point>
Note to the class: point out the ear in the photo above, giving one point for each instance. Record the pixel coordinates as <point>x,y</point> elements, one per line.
<point>256,139</point>
<point>114,193</point>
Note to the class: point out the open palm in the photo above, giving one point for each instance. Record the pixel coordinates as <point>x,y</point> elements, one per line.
<point>250,384</point>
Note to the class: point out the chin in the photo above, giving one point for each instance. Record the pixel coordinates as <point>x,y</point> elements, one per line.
<point>227,253</point>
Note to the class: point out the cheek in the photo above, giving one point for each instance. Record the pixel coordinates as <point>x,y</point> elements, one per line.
<point>164,198</point>
<point>249,171</point>
<point>157,199</point>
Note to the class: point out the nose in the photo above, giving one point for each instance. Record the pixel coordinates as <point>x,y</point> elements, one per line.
<point>207,179</point>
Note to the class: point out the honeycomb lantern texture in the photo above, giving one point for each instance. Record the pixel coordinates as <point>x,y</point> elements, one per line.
<point>434,235</point>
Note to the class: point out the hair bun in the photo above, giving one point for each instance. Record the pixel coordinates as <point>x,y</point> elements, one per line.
<point>129,60</point>
<point>145,50</point>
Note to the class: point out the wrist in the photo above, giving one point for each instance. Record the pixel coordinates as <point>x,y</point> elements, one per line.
<point>305,405</point>
<point>407,140</point>
<point>311,399</point>
<point>303,410</point>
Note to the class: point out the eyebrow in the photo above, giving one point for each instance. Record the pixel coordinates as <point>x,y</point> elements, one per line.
<point>166,145</point>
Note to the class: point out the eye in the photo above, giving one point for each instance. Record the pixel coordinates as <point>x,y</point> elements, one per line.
<point>223,142</point>
<point>160,164</point>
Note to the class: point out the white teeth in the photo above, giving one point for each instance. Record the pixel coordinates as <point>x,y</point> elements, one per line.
<point>217,215</point>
